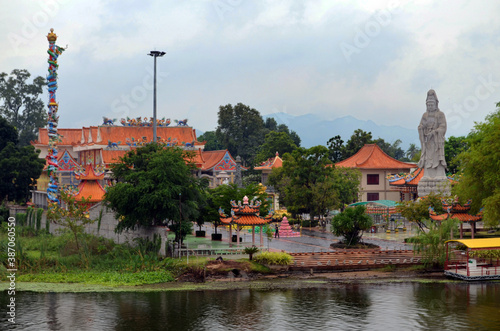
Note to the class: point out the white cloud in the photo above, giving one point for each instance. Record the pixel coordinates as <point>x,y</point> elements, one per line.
<point>271,55</point>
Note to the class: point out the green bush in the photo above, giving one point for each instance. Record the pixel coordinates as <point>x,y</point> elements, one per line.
<point>4,213</point>
<point>274,258</point>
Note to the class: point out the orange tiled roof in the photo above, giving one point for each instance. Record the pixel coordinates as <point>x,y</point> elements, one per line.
<point>245,214</point>
<point>68,136</point>
<point>112,156</point>
<point>197,158</point>
<point>250,220</point>
<point>371,156</point>
<point>103,134</point>
<point>92,189</point>
<point>89,174</point>
<point>212,158</point>
<point>219,161</point>
<point>274,162</point>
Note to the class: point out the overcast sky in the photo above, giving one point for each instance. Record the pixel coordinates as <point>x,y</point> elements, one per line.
<point>370,59</point>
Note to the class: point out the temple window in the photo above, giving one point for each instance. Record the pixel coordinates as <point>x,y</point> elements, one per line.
<point>372,179</point>
<point>372,197</point>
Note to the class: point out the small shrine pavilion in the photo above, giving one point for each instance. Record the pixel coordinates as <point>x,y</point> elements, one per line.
<point>89,187</point>
<point>267,167</point>
<point>245,215</point>
<point>459,212</point>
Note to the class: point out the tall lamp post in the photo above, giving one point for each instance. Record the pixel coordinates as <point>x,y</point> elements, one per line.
<point>155,54</point>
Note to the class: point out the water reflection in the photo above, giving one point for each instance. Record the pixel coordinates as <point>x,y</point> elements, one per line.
<point>453,306</point>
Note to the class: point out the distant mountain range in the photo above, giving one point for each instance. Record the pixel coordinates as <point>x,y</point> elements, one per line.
<point>313,130</point>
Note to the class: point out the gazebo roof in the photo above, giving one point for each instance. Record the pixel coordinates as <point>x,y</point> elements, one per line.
<point>246,214</point>
<point>456,211</point>
<point>479,243</point>
<point>89,174</point>
<point>371,156</point>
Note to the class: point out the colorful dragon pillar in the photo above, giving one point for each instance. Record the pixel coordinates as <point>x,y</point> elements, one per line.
<point>54,52</point>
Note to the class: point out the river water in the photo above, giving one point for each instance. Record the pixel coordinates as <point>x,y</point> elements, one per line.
<point>391,306</point>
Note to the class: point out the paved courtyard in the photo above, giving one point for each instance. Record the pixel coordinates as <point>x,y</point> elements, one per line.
<point>311,240</point>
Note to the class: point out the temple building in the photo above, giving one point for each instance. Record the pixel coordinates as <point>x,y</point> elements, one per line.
<point>100,146</point>
<point>375,166</point>
<point>266,168</point>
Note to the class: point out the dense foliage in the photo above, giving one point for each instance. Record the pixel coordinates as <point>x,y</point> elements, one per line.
<point>340,151</point>
<point>480,179</point>
<point>20,103</point>
<point>418,211</point>
<point>221,197</point>
<point>453,146</point>
<point>308,183</point>
<point>240,130</point>
<point>20,166</point>
<point>155,186</point>
<point>350,224</point>
<point>431,243</point>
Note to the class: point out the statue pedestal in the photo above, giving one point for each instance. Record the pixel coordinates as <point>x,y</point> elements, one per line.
<point>439,185</point>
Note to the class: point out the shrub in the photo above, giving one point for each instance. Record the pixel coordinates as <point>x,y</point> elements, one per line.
<point>274,258</point>
<point>350,224</point>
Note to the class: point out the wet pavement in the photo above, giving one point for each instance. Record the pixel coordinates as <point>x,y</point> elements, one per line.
<point>311,240</point>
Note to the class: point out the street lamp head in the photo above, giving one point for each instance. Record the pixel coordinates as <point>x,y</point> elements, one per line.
<point>156,53</point>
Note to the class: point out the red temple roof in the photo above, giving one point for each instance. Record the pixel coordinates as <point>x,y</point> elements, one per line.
<point>103,134</point>
<point>90,189</point>
<point>89,174</point>
<point>271,163</point>
<point>371,156</point>
<point>246,214</point>
<point>456,211</point>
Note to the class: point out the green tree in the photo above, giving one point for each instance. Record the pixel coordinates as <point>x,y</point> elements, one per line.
<point>453,146</point>
<point>336,149</point>
<point>212,143</point>
<point>418,211</point>
<point>73,216</point>
<point>20,166</point>
<point>21,105</point>
<point>271,124</point>
<point>154,186</point>
<point>350,224</point>
<point>412,152</point>
<point>358,139</point>
<point>280,142</point>
<point>293,135</point>
<point>347,182</point>
<point>393,150</point>
<point>480,179</point>
<point>307,182</point>
<point>221,197</point>
<point>240,130</point>
<point>431,243</point>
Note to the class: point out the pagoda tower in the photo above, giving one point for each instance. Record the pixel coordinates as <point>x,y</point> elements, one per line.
<point>285,230</point>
